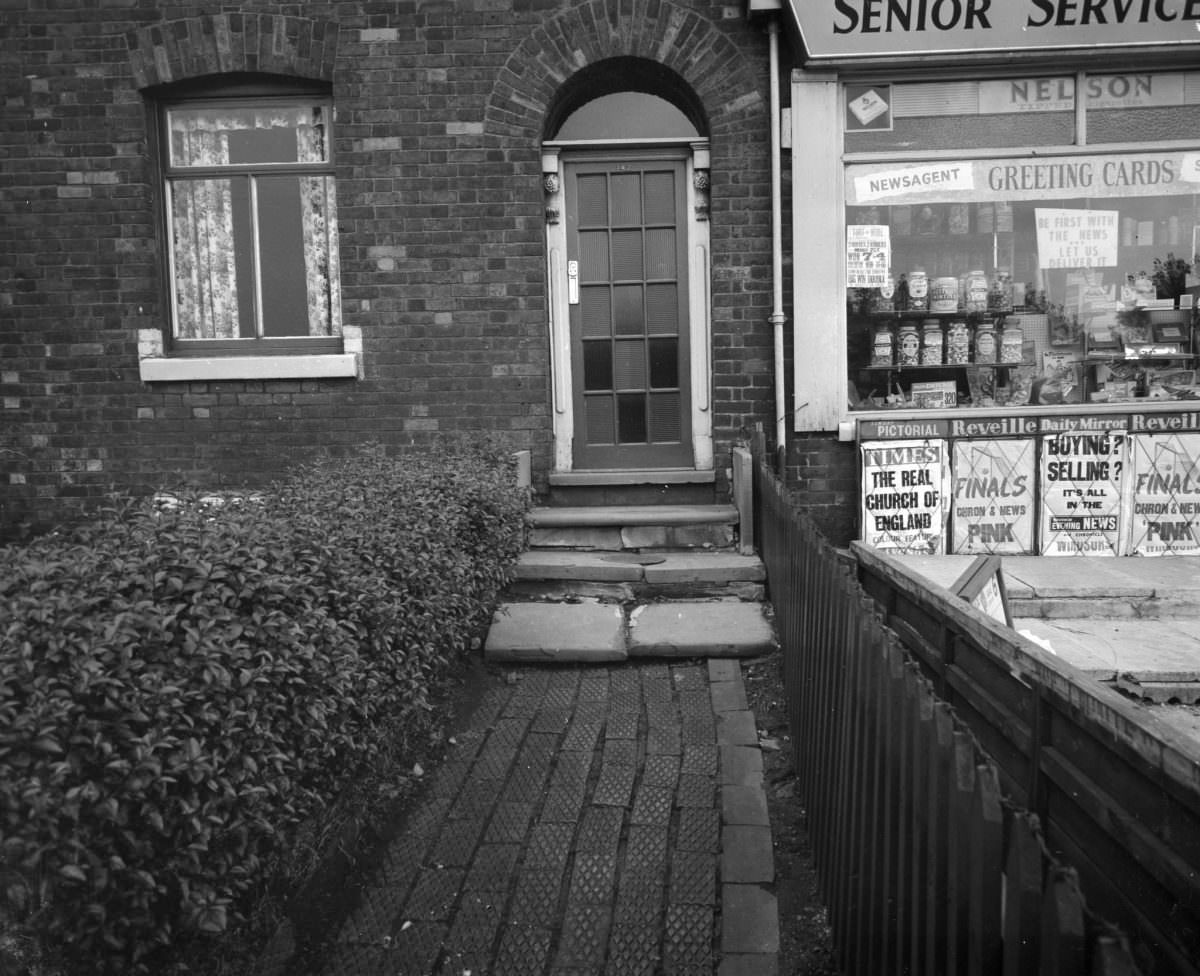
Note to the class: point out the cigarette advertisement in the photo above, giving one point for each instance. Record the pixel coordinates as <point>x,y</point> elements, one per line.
<point>904,508</point>
<point>992,501</point>
<point>1165,495</point>
<point>1081,476</point>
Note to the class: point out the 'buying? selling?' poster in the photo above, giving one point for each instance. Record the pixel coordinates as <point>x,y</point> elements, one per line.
<point>1164,495</point>
<point>992,504</point>
<point>1081,492</point>
<point>903,501</point>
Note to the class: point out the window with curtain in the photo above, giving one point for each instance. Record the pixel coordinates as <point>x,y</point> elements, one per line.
<point>251,220</point>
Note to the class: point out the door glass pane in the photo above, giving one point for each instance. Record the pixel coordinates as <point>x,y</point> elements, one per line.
<point>664,363</point>
<point>662,309</point>
<point>664,418</point>
<point>626,199</point>
<point>597,365</point>
<point>628,319</point>
<point>660,253</point>
<point>627,115</point>
<point>631,418</point>
<point>629,369</point>
<point>660,198</point>
<point>627,255</point>
<point>593,200</point>
<point>593,256</point>
<point>598,414</point>
<point>595,311</point>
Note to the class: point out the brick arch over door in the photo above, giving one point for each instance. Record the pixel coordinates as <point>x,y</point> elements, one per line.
<point>691,45</point>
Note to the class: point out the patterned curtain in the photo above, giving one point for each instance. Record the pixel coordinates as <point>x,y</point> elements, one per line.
<point>205,268</point>
<point>320,249</point>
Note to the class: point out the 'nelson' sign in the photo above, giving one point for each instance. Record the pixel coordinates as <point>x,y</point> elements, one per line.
<point>853,29</point>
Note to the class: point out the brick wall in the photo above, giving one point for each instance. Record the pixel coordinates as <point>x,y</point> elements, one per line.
<point>440,109</point>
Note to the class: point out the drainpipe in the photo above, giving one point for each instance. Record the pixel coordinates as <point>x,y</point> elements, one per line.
<point>777,316</point>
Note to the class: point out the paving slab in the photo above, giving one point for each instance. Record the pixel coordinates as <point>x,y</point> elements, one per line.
<point>1149,650</point>
<point>719,628</point>
<point>556,632</point>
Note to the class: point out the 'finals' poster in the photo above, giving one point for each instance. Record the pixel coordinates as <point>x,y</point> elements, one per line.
<point>992,504</point>
<point>903,504</point>
<point>1164,492</point>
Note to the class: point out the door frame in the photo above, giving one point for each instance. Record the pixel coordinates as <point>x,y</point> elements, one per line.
<point>696,165</point>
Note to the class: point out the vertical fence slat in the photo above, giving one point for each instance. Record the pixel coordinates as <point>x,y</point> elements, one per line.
<point>958,866</point>
<point>987,836</point>
<point>920,698</point>
<point>940,792</point>
<point>1022,895</point>
<point>1062,926</point>
<point>1111,957</point>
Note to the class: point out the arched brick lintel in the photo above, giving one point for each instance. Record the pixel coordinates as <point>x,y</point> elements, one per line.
<point>682,40</point>
<point>191,47</point>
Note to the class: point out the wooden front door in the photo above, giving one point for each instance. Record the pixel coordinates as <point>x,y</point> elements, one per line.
<point>628,297</point>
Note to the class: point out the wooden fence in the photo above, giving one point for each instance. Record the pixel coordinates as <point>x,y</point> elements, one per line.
<point>975,805</point>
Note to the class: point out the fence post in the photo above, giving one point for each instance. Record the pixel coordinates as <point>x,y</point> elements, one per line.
<point>1063,949</point>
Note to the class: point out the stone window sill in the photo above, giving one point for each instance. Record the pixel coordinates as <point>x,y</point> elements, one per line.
<point>164,369</point>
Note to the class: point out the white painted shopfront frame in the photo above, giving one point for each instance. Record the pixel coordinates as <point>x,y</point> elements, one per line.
<point>821,383</point>
<point>699,295</point>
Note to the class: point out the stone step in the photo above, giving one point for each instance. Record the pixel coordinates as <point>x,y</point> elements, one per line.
<point>624,576</point>
<point>637,527</point>
<point>591,631</point>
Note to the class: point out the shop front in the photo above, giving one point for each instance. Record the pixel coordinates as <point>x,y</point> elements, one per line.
<point>1007,328</point>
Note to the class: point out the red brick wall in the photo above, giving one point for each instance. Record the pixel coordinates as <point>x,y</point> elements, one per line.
<point>440,108</point>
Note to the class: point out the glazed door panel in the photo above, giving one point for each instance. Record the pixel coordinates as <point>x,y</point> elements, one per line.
<point>628,299</point>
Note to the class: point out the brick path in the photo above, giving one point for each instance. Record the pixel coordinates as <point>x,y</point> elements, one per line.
<point>603,820</point>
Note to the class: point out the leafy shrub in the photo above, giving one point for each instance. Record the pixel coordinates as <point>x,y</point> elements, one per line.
<point>180,687</point>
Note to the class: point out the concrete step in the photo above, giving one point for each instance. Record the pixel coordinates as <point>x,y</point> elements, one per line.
<point>624,576</point>
<point>591,631</point>
<point>636,527</point>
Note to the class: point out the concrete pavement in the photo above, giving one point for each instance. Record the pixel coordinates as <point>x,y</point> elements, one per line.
<point>602,819</point>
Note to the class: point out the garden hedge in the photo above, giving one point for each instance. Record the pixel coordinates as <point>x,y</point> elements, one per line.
<point>182,685</point>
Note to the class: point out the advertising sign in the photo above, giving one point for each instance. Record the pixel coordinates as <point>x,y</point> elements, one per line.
<point>868,255</point>
<point>1098,177</point>
<point>1164,495</point>
<point>1081,474</point>
<point>992,500</point>
<point>858,29</point>
<point>903,506</point>
<point>1077,238</point>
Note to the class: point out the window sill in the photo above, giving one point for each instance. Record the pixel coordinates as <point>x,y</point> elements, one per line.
<point>162,370</point>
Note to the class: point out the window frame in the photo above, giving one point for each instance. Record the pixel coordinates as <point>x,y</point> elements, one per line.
<point>232,93</point>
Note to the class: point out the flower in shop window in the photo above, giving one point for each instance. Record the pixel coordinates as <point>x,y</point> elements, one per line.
<point>251,216</point>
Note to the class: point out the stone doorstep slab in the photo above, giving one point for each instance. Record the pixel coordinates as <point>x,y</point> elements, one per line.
<point>590,631</point>
<point>700,629</point>
<point>623,515</point>
<point>554,632</point>
<point>651,567</point>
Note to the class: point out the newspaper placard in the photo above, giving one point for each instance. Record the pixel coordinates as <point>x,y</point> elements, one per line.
<point>992,502</point>
<point>868,255</point>
<point>1077,238</point>
<point>1164,495</point>
<point>1081,474</point>
<point>904,507</point>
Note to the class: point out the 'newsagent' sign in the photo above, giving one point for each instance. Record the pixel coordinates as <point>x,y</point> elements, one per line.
<point>1165,495</point>
<point>992,504</point>
<point>1081,493</point>
<point>902,504</point>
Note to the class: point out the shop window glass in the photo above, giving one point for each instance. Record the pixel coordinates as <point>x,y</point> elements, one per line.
<point>1023,280</point>
<point>251,211</point>
<point>1142,107</point>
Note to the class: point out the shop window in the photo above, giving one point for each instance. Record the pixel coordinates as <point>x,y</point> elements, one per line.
<point>1002,278</point>
<point>250,215</point>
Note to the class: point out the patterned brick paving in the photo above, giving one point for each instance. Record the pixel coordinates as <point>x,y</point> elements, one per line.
<point>576,829</point>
